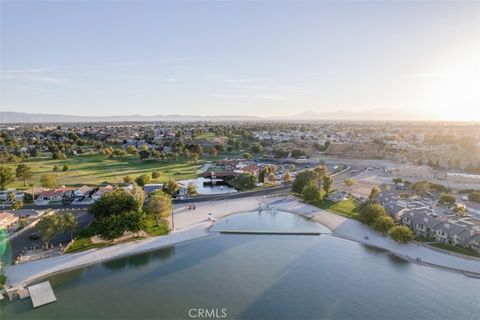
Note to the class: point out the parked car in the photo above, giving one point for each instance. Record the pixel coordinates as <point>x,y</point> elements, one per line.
<point>34,236</point>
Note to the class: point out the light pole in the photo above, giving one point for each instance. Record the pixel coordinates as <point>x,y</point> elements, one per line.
<point>173,221</point>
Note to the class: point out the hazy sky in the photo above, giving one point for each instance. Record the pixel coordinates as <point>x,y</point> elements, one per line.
<point>250,58</point>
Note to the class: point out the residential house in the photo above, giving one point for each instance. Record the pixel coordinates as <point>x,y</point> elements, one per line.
<point>152,187</point>
<point>82,192</point>
<point>54,194</point>
<point>101,191</point>
<point>8,222</point>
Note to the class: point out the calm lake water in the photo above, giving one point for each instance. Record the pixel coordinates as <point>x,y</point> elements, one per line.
<point>204,186</point>
<point>268,221</point>
<point>259,277</point>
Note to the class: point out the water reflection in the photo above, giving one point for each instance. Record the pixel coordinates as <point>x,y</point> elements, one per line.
<point>268,221</point>
<point>206,186</point>
<point>139,260</point>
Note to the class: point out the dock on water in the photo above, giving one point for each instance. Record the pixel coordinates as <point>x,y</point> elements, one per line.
<point>41,294</point>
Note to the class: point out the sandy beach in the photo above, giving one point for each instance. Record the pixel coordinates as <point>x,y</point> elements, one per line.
<point>194,224</point>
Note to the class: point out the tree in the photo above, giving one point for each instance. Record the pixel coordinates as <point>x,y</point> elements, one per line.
<point>118,211</point>
<point>156,174</point>
<point>474,196</point>
<point>65,168</point>
<point>313,194</point>
<point>143,179</point>
<point>49,226</point>
<point>171,187</point>
<point>447,199</point>
<point>191,189</point>
<point>24,173</point>
<point>383,224</point>
<point>256,148</point>
<point>133,221</point>
<point>17,205</point>
<point>244,181</point>
<point>459,210</point>
<point>370,211</point>
<point>48,180</point>
<point>6,177</point>
<point>247,156</point>
<point>264,172</point>
<point>11,197</point>
<point>194,157</point>
<point>327,184</point>
<point>139,197</point>
<point>59,156</point>
<point>296,153</point>
<point>55,168</point>
<point>144,152</point>
<point>110,227</point>
<point>69,223</point>
<point>160,205</point>
<point>303,179</point>
<point>128,179</point>
<point>421,188</point>
<point>374,192</point>
<point>131,149</point>
<point>321,171</point>
<point>401,234</point>
<point>116,202</point>
<point>397,180</point>
<point>349,182</point>
<point>213,152</point>
<point>271,178</point>
<point>287,177</point>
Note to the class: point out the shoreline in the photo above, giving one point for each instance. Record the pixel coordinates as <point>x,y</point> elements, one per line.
<point>193,226</point>
<point>410,259</point>
<point>93,257</point>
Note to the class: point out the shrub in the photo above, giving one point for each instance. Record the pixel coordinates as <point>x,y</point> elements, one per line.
<point>474,196</point>
<point>447,199</point>
<point>143,179</point>
<point>401,234</point>
<point>370,211</point>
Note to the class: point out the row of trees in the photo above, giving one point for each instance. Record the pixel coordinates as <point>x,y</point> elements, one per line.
<point>375,215</point>
<point>24,172</point>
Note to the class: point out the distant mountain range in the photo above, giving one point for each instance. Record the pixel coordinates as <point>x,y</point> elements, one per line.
<point>368,115</point>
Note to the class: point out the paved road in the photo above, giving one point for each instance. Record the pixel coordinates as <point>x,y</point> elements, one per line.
<point>201,198</point>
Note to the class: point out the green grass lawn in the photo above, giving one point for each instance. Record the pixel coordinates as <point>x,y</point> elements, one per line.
<point>457,249</point>
<point>206,136</point>
<point>95,169</point>
<point>347,208</point>
<point>153,230</point>
<point>85,243</point>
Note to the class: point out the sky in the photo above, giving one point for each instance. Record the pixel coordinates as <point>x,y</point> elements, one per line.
<point>240,58</point>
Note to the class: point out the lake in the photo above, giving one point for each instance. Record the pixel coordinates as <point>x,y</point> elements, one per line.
<point>205,186</point>
<point>268,221</point>
<point>258,277</point>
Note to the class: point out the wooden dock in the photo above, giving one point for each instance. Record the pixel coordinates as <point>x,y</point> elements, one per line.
<point>41,294</point>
